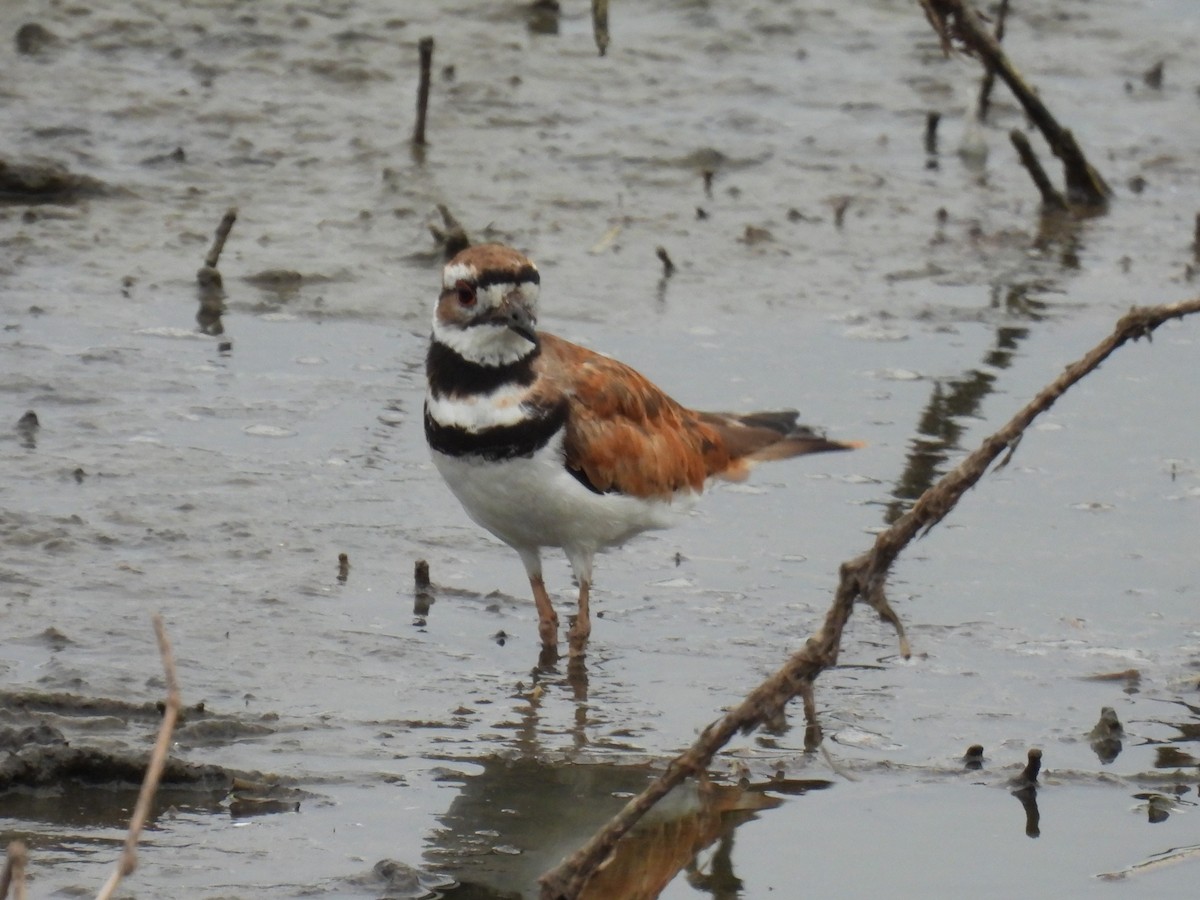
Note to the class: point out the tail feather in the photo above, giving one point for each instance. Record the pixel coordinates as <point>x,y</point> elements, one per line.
<point>765,436</point>
<point>783,421</point>
<point>800,445</point>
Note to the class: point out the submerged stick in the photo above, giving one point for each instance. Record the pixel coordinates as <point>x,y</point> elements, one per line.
<point>860,578</point>
<point>219,238</point>
<point>425,48</point>
<point>1051,198</point>
<point>423,595</point>
<point>600,24</point>
<point>208,277</point>
<point>956,19</point>
<point>931,128</point>
<point>665,258</point>
<point>1155,862</point>
<point>158,759</point>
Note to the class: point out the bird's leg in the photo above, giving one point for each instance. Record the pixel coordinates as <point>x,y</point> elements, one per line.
<point>547,617</point>
<point>581,627</point>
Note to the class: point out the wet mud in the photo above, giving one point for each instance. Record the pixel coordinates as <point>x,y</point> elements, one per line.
<point>93,750</point>
<point>45,182</point>
<point>746,203</point>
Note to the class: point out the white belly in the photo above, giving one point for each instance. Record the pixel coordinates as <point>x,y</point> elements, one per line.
<point>535,502</point>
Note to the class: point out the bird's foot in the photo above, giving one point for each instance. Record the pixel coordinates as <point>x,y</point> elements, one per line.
<point>548,631</point>
<point>581,629</point>
<point>577,647</point>
<point>577,637</point>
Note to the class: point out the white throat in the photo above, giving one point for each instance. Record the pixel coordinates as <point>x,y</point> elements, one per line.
<point>486,345</point>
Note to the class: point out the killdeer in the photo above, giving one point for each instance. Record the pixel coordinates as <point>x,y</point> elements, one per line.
<point>549,444</point>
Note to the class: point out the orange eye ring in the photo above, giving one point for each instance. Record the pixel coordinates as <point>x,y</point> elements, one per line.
<point>465,292</point>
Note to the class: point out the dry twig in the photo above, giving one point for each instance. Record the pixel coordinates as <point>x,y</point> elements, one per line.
<point>14,871</point>
<point>861,578</point>
<point>955,20</point>
<point>128,861</point>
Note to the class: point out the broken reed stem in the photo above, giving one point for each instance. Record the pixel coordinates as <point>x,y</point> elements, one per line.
<point>454,239</point>
<point>1051,198</point>
<point>14,871</point>
<point>421,577</point>
<point>931,128</point>
<point>957,19</point>
<point>218,244</point>
<point>158,759</point>
<point>425,48</point>
<point>665,258</point>
<point>600,25</point>
<point>860,578</point>
<point>989,73</point>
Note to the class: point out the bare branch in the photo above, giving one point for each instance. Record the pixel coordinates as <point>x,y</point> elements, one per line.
<point>957,20</point>
<point>860,578</point>
<point>128,862</point>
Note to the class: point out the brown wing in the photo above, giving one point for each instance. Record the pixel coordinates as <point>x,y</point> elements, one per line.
<point>623,433</point>
<point>626,435</point>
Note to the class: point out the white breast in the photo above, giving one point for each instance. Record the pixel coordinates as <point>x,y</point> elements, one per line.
<point>535,502</point>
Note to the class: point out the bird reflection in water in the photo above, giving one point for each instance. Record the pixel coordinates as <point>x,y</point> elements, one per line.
<point>670,838</point>
<point>518,818</point>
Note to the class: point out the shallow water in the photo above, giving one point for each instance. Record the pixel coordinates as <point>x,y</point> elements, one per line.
<point>219,486</point>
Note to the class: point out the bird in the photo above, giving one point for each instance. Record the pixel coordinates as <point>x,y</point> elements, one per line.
<point>548,444</point>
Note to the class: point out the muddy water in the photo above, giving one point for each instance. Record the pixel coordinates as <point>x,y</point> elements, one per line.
<point>218,484</point>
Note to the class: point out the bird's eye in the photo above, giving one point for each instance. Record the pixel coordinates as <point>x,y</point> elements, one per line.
<point>465,293</point>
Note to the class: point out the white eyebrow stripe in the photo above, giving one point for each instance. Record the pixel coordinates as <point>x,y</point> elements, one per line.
<point>457,272</point>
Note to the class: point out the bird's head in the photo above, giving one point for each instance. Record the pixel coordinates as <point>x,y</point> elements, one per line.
<point>487,310</point>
